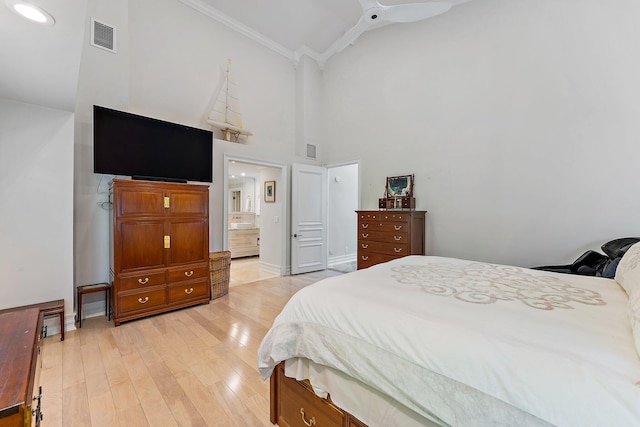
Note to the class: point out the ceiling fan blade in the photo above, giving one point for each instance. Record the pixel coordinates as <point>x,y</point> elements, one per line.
<point>412,12</point>
<point>350,36</point>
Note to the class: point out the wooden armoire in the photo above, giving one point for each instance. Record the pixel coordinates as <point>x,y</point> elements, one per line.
<point>160,247</point>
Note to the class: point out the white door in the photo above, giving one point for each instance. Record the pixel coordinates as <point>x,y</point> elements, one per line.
<point>308,218</point>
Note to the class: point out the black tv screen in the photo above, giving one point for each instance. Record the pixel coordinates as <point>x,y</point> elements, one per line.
<point>146,148</point>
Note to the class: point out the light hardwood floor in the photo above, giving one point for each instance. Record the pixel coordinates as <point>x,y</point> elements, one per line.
<point>247,270</point>
<point>190,367</point>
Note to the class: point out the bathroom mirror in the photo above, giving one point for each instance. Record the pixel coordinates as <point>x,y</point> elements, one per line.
<point>242,192</point>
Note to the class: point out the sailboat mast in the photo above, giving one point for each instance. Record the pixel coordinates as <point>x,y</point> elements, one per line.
<point>226,110</point>
<point>225,113</point>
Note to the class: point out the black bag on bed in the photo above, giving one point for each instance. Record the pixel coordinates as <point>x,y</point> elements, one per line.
<point>618,247</point>
<point>592,263</point>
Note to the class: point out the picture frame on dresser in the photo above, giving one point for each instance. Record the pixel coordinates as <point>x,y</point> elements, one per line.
<point>398,193</point>
<point>399,186</point>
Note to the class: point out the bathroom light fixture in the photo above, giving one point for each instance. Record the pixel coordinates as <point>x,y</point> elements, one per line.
<point>31,12</point>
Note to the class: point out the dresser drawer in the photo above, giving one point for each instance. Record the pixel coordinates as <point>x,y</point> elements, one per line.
<point>188,272</point>
<point>396,249</point>
<point>383,236</point>
<point>141,301</point>
<point>141,281</point>
<point>368,259</point>
<point>384,216</point>
<point>368,216</point>
<point>376,236</point>
<point>384,227</point>
<point>188,291</point>
<point>304,408</point>
<point>395,217</point>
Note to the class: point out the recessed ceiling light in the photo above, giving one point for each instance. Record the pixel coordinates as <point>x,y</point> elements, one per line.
<point>31,12</point>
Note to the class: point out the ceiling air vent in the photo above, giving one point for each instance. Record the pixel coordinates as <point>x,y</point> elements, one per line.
<point>103,36</point>
<point>311,151</point>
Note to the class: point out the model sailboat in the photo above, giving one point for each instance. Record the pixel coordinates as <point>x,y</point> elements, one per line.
<point>225,114</point>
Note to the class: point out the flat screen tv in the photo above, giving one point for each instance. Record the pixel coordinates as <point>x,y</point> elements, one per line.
<point>146,148</point>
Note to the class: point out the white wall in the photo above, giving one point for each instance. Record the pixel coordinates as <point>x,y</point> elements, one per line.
<point>175,75</point>
<point>341,217</point>
<point>170,63</point>
<point>308,118</point>
<point>103,80</point>
<point>36,189</point>
<point>519,120</point>
<point>273,257</point>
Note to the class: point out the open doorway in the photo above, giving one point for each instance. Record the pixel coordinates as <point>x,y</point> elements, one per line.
<point>343,201</point>
<point>254,228</point>
<point>323,217</point>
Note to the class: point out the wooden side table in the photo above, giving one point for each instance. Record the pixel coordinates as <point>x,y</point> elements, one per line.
<point>89,289</point>
<point>54,308</point>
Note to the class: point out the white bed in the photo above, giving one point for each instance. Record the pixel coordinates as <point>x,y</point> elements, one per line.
<point>454,342</point>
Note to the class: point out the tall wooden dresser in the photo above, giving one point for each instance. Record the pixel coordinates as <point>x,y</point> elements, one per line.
<point>387,235</point>
<point>160,247</point>
<point>20,392</point>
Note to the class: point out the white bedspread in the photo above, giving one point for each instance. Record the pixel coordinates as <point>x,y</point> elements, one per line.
<point>470,344</point>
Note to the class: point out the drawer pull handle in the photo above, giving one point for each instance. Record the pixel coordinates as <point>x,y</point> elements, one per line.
<point>143,281</point>
<point>397,238</point>
<point>365,235</point>
<point>188,273</point>
<point>364,258</point>
<point>143,301</point>
<point>188,291</point>
<point>312,420</point>
<point>397,250</point>
<point>397,227</point>
<point>365,225</point>
<point>365,246</point>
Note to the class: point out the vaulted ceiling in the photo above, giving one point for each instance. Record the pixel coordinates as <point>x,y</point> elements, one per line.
<point>40,63</point>
<point>294,28</point>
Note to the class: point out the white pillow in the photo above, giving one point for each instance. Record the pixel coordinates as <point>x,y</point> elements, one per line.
<point>628,271</point>
<point>628,276</point>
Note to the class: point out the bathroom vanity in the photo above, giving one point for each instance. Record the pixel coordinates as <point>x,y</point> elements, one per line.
<point>244,235</point>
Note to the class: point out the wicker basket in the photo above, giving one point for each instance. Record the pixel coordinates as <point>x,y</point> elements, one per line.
<point>219,266</point>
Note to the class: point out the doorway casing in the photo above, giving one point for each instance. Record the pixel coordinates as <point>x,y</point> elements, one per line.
<point>282,199</point>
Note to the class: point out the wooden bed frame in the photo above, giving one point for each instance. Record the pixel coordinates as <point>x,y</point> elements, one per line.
<point>294,404</point>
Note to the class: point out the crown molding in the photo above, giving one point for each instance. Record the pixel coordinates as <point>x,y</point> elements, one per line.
<point>240,28</point>
<point>349,38</point>
<point>305,50</point>
<point>294,57</point>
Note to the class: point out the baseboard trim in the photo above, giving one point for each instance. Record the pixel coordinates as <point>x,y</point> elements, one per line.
<point>343,259</point>
<point>270,268</point>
